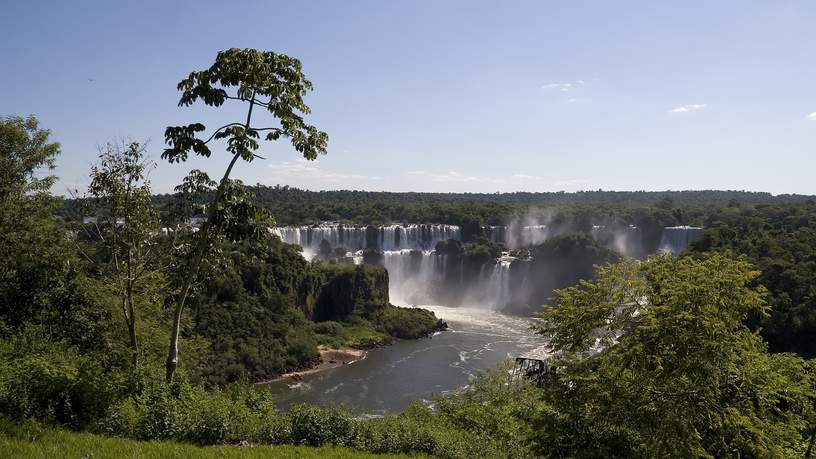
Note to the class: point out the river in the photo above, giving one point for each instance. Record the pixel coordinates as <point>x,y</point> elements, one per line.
<point>392,377</point>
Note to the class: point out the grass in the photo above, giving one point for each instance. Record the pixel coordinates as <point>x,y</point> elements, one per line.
<point>32,441</point>
<point>359,336</point>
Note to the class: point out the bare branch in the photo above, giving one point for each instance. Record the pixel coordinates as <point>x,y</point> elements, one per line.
<point>219,130</point>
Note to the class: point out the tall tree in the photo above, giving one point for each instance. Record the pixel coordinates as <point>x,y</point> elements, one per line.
<point>128,226</point>
<point>261,80</point>
<point>26,159</point>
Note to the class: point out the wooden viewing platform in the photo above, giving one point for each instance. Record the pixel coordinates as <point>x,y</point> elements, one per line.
<point>537,366</point>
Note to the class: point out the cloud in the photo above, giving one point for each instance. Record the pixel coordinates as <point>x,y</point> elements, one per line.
<point>309,174</point>
<point>812,116</point>
<point>563,87</point>
<point>525,177</point>
<point>688,108</point>
<point>314,175</point>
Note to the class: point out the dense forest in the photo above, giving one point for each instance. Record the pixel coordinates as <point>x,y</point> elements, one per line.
<point>131,323</point>
<point>781,242</point>
<point>295,206</point>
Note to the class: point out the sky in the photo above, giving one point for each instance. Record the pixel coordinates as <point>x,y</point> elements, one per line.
<point>444,96</point>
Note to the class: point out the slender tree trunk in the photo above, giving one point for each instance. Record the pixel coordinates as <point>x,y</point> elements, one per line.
<point>130,313</point>
<point>202,246</point>
<point>125,308</point>
<point>134,342</point>
<point>172,355</point>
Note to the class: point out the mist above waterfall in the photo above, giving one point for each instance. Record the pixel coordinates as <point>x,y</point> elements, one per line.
<point>531,228</point>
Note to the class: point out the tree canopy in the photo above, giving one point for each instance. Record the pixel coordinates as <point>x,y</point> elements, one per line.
<point>654,360</point>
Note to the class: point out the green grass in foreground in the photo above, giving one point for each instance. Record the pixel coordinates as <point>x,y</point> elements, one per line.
<point>31,441</point>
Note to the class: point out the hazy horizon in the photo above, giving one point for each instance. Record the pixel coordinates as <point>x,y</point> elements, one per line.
<point>526,191</point>
<point>446,97</point>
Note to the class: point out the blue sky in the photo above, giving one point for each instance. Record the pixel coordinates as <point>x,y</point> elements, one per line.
<point>446,95</point>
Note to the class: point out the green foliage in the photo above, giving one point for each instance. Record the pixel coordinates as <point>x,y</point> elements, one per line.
<point>191,414</point>
<point>260,79</point>
<point>35,441</point>
<point>39,279</point>
<point>353,332</point>
<point>293,206</point>
<point>781,243</point>
<point>54,381</point>
<point>407,323</point>
<point>128,253</point>
<point>25,151</point>
<point>314,426</point>
<point>270,81</point>
<point>183,413</point>
<point>256,309</point>
<point>655,359</point>
<point>495,408</point>
<point>328,328</point>
<point>362,289</point>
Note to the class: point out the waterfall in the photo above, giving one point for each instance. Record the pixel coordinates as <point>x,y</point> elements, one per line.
<point>414,275</point>
<point>415,271</point>
<point>676,239</point>
<point>495,234</point>
<point>419,275</point>
<point>492,289</point>
<point>498,286</point>
<point>354,238</point>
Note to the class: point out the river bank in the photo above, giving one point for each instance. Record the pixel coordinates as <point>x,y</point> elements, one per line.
<point>390,378</point>
<point>329,358</point>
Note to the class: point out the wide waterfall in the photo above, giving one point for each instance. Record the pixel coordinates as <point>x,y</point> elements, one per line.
<point>676,239</point>
<point>415,271</point>
<point>354,238</point>
<point>420,275</point>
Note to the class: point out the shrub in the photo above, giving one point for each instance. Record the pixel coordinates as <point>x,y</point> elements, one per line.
<point>52,381</point>
<point>315,426</point>
<point>407,323</point>
<point>186,413</point>
<point>329,327</point>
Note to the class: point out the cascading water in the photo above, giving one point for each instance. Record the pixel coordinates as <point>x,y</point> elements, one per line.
<point>492,288</point>
<point>413,275</point>
<point>354,238</point>
<point>498,285</point>
<point>415,271</point>
<point>420,275</point>
<point>676,239</point>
